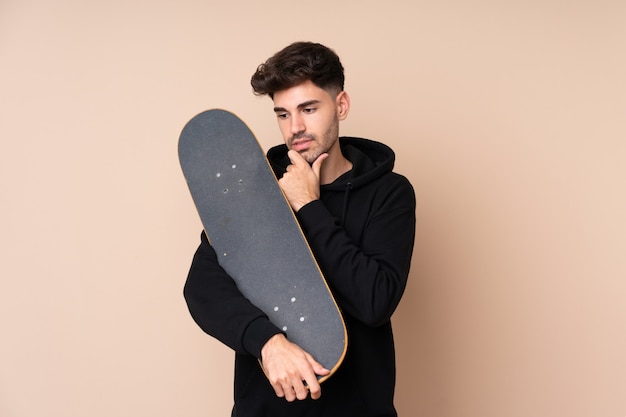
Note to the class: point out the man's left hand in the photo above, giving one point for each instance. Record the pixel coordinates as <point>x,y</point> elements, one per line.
<point>301,182</point>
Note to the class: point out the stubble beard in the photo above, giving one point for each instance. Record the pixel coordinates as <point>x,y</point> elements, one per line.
<point>328,140</point>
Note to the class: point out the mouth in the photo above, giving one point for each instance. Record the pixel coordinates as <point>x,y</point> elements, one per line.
<point>300,145</point>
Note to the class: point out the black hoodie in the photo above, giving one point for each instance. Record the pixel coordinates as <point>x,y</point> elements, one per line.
<point>361,231</point>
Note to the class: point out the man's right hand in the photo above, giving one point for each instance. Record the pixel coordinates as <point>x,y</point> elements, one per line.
<point>288,368</point>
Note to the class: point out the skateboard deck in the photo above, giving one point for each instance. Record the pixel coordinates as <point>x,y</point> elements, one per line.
<point>256,235</point>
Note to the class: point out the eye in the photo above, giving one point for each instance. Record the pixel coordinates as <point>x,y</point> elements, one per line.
<point>282,115</point>
<point>309,110</point>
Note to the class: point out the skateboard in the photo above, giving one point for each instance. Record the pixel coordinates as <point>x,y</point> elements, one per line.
<point>256,235</point>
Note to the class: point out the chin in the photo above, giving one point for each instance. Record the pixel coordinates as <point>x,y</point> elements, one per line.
<point>310,157</point>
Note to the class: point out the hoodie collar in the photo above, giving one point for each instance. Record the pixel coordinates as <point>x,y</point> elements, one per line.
<point>370,160</point>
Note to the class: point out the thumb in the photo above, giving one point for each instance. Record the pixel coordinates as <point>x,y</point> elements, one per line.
<point>317,164</point>
<point>318,368</point>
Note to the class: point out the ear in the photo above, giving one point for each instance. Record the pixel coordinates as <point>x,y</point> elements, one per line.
<point>343,105</point>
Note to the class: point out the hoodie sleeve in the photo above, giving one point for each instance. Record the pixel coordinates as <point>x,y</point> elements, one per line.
<point>219,308</point>
<point>368,274</point>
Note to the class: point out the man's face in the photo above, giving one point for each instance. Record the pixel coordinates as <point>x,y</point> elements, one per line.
<point>308,118</point>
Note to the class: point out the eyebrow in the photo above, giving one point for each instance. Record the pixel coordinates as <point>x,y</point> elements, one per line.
<point>300,106</point>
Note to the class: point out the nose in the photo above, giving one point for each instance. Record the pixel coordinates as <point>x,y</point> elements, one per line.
<point>297,124</point>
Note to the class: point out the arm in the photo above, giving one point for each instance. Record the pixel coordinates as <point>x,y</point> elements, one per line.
<point>219,308</point>
<point>365,261</point>
<point>367,270</point>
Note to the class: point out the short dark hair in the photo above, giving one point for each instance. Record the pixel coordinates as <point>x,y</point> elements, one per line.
<point>297,63</point>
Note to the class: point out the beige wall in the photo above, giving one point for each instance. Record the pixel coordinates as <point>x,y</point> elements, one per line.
<point>509,121</point>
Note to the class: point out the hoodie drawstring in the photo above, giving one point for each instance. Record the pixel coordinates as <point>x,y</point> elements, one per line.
<point>345,202</point>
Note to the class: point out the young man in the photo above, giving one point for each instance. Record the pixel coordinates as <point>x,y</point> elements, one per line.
<point>359,219</point>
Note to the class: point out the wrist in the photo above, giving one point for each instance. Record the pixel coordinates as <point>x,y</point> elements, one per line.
<point>257,334</point>
<point>271,342</point>
<point>298,206</point>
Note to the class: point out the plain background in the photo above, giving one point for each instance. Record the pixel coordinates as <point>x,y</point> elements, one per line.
<point>508,118</point>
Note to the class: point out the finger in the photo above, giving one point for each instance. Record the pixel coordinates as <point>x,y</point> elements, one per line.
<point>301,391</point>
<point>314,388</point>
<point>278,389</point>
<point>312,381</point>
<point>290,394</point>
<point>317,164</point>
<point>290,389</point>
<point>318,368</point>
<point>284,389</point>
<point>295,157</point>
